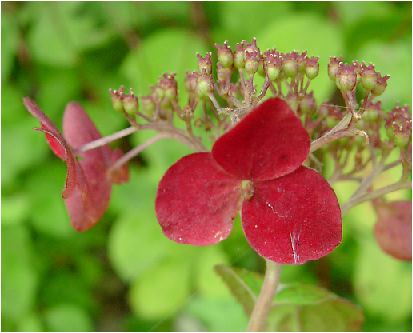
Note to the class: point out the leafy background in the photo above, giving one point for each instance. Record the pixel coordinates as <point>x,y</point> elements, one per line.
<point>124,274</point>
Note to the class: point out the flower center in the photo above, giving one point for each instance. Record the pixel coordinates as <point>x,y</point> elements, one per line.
<point>247,189</point>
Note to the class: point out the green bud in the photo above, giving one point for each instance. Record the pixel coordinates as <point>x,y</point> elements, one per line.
<point>273,73</point>
<point>290,68</point>
<point>130,104</point>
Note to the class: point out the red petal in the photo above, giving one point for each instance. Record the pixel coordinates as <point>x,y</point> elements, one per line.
<point>89,200</point>
<point>55,139</point>
<point>393,229</point>
<point>57,143</point>
<point>197,201</point>
<point>293,219</point>
<point>79,130</point>
<point>92,198</point>
<point>267,143</point>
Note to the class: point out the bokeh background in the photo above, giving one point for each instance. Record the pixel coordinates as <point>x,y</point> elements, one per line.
<point>124,274</point>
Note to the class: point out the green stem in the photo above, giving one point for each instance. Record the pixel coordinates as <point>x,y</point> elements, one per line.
<point>258,319</point>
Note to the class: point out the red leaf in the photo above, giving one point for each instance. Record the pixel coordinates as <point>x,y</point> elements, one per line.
<point>197,201</point>
<point>393,229</point>
<point>268,143</point>
<point>293,219</point>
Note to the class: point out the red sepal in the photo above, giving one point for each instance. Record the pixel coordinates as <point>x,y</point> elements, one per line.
<point>293,219</point>
<point>267,143</point>
<point>197,201</point>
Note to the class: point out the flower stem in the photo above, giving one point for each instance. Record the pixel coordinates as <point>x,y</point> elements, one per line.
<point>258,319</point>
<point>375,194</point>
<point>135,151</point>
<point>107,139</point>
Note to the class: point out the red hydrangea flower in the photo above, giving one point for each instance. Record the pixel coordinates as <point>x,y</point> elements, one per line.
<point>88,186</point>
<point>291,214</point>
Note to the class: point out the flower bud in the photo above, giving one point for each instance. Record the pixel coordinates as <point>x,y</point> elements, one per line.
<point>292,101</point>
<point>273,64</point>
<point>225,55</point>
<point>381,85</point>
<point>223,73</point>
<point>399,126</point>
<point>204,63</point>
<point>147,105</point>
<point>372,112</point>
<point>169,86</point>
<point>157,92</point>
<point>368,77</point>
<point>205,84</point>
<point>130,103</point>
<point>290,64</point>
<point>251,47</point>
<point>307,103</point>
<point>311,67</point>
<point>239,57</point>
<point>191,79</point>
<point>117,96</point>
<point>252,61</point>
<point>301,61</point>
<point>333,67</point>
<point>346,77</point>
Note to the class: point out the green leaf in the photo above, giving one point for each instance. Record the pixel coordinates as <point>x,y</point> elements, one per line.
<point>67,318</point>
<point>30,323</point>
<point>306,32</point>
<point>45,187</point>
<point>61,32</point>
<point>162,291</point>
<point>244,285</point>
<point>218,315</point>
<point>57,87</point>
<point>309,309</point>
<point>12,105</point>
<point>393,59</point>
<point>234,30</point>
<point>15,209</point>
<point>65,287</point>
<point>18,275</point>
<point>379,278</point>
<point>22,149</point>
<point>9,42</point>
<point>144,16</point>
<point>208,283</point>
<point>296,307</point>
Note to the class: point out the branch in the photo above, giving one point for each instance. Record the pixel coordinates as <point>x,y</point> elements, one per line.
<point>135,151</point>
<point>107,139</point>
<point>332,136</point>
<point>375,194</point>
<point>258,319</point>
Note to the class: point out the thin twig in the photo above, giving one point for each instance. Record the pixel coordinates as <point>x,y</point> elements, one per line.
<point>375,194</point>
<point>135,151</point>
<point>332,136</point>
<point>107,139</point>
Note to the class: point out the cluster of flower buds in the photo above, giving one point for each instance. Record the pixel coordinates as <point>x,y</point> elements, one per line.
<point>347,76</point>
<point>399,126</point>
<point>122,102</point>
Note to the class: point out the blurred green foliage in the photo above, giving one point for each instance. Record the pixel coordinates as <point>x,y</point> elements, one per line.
<point>124,274</point>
